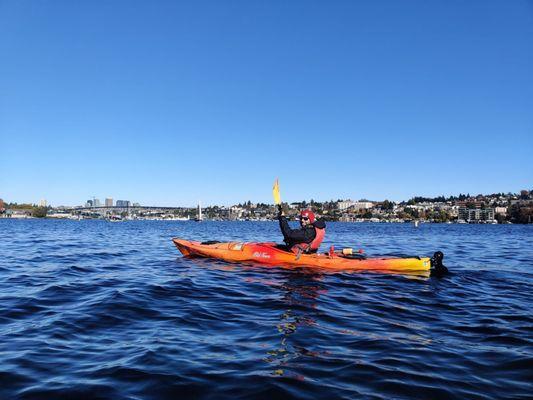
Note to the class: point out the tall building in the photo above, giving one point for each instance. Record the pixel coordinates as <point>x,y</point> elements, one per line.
<point>96,203</point>
<point>42,203</point>
<point>89,203</point>
<point>109,202</point>
<point>123,203</point>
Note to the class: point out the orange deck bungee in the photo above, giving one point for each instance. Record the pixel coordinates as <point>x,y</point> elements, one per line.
<point>269,254</point>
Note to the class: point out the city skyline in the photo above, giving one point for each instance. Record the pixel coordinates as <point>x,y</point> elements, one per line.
<point>109,202</point>
<point>170,103</point>
<point>496,208</point>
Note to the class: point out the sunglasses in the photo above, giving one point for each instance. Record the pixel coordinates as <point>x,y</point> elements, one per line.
<point>304,218</point>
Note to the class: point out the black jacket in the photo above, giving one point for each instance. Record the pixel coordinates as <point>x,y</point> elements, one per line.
<point>302,235</point>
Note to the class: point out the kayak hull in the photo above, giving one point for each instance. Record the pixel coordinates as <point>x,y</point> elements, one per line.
<point>270,255</point>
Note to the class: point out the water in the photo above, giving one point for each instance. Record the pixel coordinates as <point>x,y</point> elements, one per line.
<point>91,309</point>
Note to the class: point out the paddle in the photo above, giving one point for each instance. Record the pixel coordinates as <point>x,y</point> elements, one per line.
<point>275,192</point>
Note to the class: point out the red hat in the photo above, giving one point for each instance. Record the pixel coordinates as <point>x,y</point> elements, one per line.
<point>308,214</point>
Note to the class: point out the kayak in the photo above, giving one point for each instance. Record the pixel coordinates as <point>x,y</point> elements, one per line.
<point>272,254</point>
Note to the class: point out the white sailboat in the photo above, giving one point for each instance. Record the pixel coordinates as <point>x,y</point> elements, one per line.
<point>199,217</point>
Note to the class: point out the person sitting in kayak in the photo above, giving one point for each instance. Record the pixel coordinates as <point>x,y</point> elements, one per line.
<point>308,238</point>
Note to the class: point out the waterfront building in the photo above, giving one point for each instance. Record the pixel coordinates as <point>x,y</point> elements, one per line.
<point>96,203</point>
<point>89,203</point>
<point>123,203</point>
<point>20,214</point>
<point>488,214</point>
<point>43,203</point>
<point>109,202</point>
<point>476,214</point>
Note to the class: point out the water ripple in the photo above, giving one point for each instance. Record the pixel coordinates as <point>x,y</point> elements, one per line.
<point>96,310</point>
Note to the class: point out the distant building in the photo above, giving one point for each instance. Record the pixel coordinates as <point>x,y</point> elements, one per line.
<point>89,203</point>
<point>472,203</point>
<point>136,205</point>
<point>355,205</point>
<point>96,203</point>
<point>109,202</point>
<point>362,205</point>
<point>43,203</point>
<point>123,203</point>
<point>500,210</point>
<point>2,206</point>
<point>454,211</point>
<point>345,204</point>
<point>476,214</point>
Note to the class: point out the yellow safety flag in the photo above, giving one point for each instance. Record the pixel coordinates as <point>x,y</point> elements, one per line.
<point>275,192</point>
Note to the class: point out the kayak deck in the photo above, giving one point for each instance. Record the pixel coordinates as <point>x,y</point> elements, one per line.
<point>271,255</point>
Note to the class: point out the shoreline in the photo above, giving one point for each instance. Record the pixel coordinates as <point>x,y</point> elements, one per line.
<point>412,222</point>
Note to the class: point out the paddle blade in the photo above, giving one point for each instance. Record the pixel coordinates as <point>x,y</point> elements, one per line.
<point>275,192</point>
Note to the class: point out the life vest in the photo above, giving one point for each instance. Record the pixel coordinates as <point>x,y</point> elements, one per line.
<point>310,247</point>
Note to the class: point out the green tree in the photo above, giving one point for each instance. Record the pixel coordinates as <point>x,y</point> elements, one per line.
<point>521,214</point>
<point>500,218</point>
<point>40,212</point>
<point>412,212</point>
<point>387,205</point>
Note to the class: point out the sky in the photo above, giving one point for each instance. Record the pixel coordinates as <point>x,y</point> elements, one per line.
<point>168,103</point>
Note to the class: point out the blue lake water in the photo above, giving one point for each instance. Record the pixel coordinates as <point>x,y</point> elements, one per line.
<point>92,309</point>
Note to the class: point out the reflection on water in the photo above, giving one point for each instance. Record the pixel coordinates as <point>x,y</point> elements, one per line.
<point>298,293</point>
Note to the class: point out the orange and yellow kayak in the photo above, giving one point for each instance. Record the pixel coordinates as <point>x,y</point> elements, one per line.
<point>271,254</point>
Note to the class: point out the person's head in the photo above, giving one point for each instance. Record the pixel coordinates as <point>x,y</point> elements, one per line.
<point>307,217</point>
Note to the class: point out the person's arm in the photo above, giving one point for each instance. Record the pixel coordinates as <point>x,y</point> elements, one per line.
<point>295,235</point>
<point>320,223</point>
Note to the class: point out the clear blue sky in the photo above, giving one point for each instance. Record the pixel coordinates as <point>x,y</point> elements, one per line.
<point>166,102</point>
